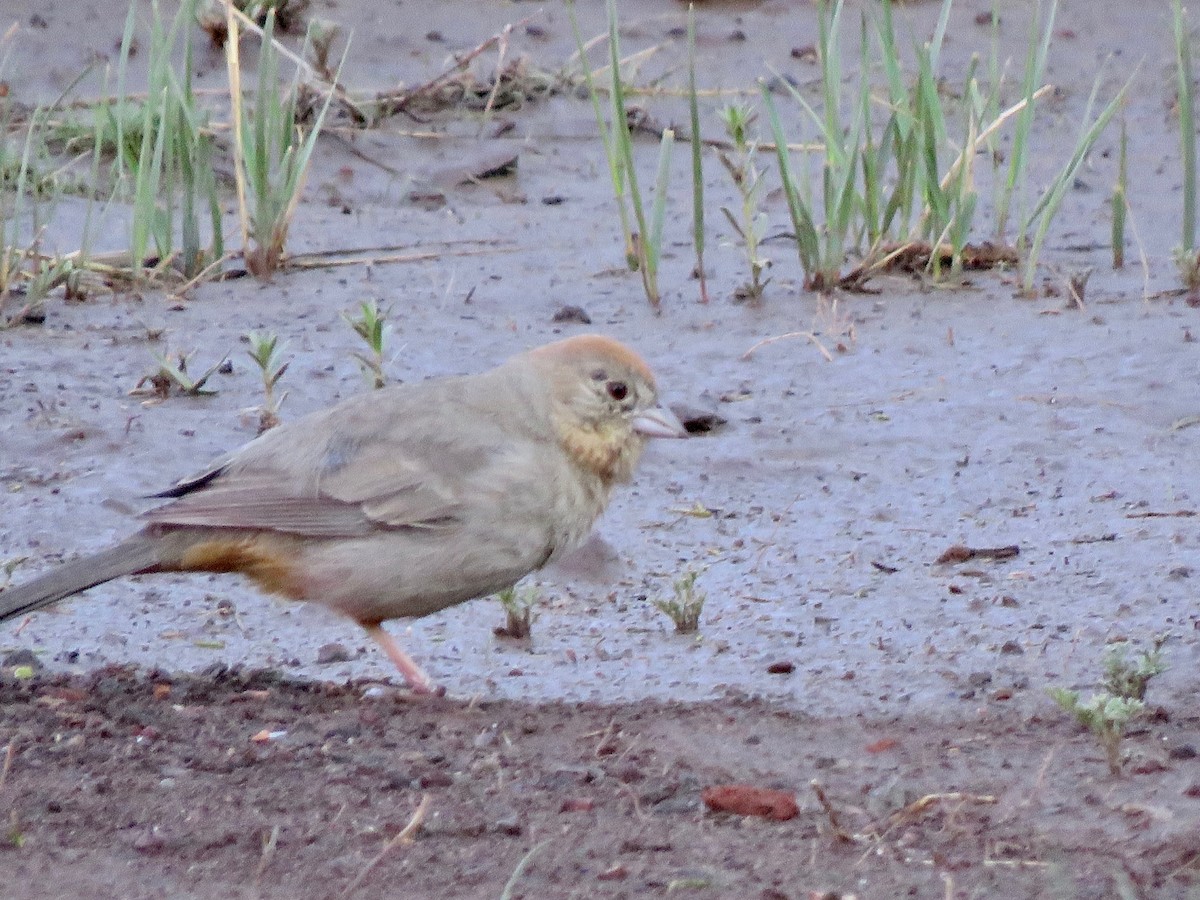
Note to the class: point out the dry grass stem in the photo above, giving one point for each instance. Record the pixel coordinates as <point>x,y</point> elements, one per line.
<point>791,334</point>
<point>839,832</point>
<point>404,837</point>
<point>8,761</point>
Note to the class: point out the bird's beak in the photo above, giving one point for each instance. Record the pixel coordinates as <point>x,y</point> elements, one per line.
<point>659,422</point>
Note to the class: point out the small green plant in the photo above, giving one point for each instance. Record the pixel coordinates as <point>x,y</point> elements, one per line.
<point>164,147</point>
<point>265,350</point>
<point>643,246</point>
<point>271,153</point>
<point>518,612</point>
<point>1047,207</point>
<point>1120,200</point>
<point>697,158</point>
<point>371,326</point>
<point>685,607</point>
<point>1121,697</point>
<point>8,566</point>
<point>1186,257</point>
<point>747,179</point>
<point>1103,714</point>
<point>173,375</point>
<point>1123,678</point>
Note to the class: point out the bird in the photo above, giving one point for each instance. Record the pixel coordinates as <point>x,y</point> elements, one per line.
<point>402,501</point>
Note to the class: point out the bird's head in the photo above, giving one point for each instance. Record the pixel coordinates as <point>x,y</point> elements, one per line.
<point>605,403</point>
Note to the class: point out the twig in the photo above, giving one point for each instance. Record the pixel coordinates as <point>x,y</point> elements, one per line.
<point>8,760</point>
<point>839,832</point>
<point>919,806</point>
<point>509,885</point>
<point>791,334</point>
<point>1177,514</point>
<point>401,100</point>
<point>404,837</point>
<point>268,853</point>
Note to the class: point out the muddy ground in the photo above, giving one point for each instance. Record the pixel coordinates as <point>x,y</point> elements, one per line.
<point>833,646</point>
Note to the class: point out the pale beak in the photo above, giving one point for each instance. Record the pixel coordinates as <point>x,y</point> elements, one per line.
<point>659,422</point>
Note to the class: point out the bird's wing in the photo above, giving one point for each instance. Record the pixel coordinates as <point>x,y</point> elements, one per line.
<point>344,474</point>
<point>262,502</point>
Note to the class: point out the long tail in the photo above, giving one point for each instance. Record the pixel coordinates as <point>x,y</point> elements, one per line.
<point>138,554</point>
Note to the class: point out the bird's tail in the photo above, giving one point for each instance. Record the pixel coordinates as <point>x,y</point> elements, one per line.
<point>138,554</point>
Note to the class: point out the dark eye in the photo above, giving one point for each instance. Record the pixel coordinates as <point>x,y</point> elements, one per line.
<point>617,390</point>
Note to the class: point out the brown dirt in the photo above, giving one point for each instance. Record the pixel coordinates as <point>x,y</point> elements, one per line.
<point>154,785</point>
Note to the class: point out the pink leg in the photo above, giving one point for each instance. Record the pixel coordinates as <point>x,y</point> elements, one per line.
<point>413,674</point>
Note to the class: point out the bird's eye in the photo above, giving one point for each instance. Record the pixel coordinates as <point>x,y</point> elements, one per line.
<point>618,390</point>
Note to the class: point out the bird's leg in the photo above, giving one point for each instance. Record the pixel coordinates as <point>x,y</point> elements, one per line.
<point>413,674</point>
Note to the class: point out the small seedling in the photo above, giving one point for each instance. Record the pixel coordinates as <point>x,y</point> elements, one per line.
<point>175,375</point>
<point>1103,714</point>
<point>8,566</point>
<point>1123,678</point>
<point>518,613</point>
<point>1121,697</point>
<point>685,608</point>
<point>321,35</point>
<point>747,178</point>
<point>270,152</point>
<point>371,326</point>
<point>1120,201</point>
<point>1186,257</point>
<point>16,834</point>
<point>265,351</point>
<point>697,161</point>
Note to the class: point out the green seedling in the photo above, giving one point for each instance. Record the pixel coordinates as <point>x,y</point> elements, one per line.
<point>265,350</point>
<point>164,146</point>
<point>747,179</point>
<point>1103,714</point>
<point>1035,68</point>
<point>1120,201</point>
<point>271,153</point>
<point>1046,208</point>
<point>173,375</point>
<point>371,326</point>
<point>685,607</point>
<point>697,158</point>
<point>643,246</point>
<point>9,566</point>
<point>518,612</point>
<point>16,834</point>
<point>1121,697</point>
<point>1123,678</point>
<point>1185,254</point>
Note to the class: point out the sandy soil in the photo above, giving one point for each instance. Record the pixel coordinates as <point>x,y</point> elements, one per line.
<point>833,646</point>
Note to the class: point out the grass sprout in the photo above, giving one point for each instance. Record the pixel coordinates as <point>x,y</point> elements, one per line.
<point>172,375</point>
<point>164,150</point>
<point>697,158</point>
<point>266,351</point>
<point>643,243</point>
<point>371,325</point>
<point>518,612</point>
<point>271,152</point>
<point>1120,200</point>
<point>1121,697</point>
<point>750,222</point>
<point>1186,257</point>
<point>1123,678</point>
<point>1103,714</point>
<point>685,607</point>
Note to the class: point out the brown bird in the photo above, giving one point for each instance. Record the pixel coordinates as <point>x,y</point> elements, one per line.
<point>406,500</point>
